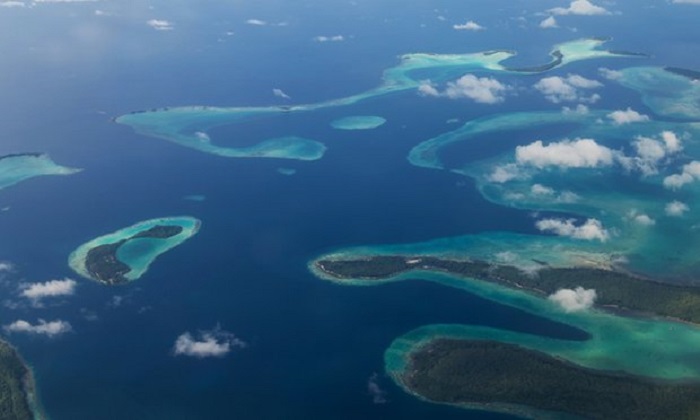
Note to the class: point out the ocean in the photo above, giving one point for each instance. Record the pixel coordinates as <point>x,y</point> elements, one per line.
<point>312,346</point>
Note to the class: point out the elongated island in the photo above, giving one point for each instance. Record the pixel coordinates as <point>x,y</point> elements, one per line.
<point>18,399</point>
<point>634,365</point>
<point>125,255</point>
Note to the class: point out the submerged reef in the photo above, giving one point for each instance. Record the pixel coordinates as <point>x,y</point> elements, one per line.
<point>18,167</point>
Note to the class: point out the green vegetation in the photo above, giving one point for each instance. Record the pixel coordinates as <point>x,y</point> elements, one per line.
<point>14,379</point>
<point>102,262</point>
<point>690,74</point>
<point>492,373</point>
<point>615,290</point>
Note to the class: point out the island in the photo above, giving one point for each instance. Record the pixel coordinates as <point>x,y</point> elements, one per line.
<point>17,388</point>
<point>125,255</point>
<point>503,377</point>
<point>18,167</point>
<point>616,290</point>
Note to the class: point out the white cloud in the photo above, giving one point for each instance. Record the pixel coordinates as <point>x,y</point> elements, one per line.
<point>485,90</point>
<point>50,329</point>
<point>676,208</point>
<point>686,1</point>
<point>215,343</point>
<point>468,26</point>
<point>565,89</point>
<point>580,7</point>
<point>549,23</point>
<point>12,4</point>
<point>672,142</point>
<point>6,266</point>
<point>160,25</point>
<point>280,94</point>
<point>333,38</point>
<point>504,173</point>
<point>52,288</point>
<point>610,74</point>
<point>690,173</point>
<point>579,153</point>
<point>540,190</point>
<point>580,109</point>
<point>256,22</point>
<point>651,152</point>
<point>641,218</point>
<point>627,116</point>
<point>591,229</point>
<point>574,300</point>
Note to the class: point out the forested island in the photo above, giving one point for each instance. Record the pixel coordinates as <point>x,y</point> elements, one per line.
<point>16,385</point>
<point>615,290</point>
<point>103,264</point>
<point>504,377</point>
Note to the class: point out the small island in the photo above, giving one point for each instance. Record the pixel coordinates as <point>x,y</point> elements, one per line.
<point>124,256</point>
<point>472,373</point>
<point>616,291</point>
<point>17,390</point>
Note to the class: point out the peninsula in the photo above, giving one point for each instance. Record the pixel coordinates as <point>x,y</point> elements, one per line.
<point>616,291</point>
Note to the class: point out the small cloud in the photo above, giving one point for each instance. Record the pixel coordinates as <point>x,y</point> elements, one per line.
<point>485,90</point>
<point>566,89</point>
<point>334,38</point>
<point>580,7</point>
<point>539,190</point>
<point>373,388</point>
<point>610,74</point>
<point>580,109</point>
<point>468,26</point>
<point>640,218</point>
<point>574,300</point>
<point>579,153</point>
<point>504,173</point>
<point>686,1</point>
<point>627,116</point>
<point>6,267</point>
<point>280,94</point>
<point>256,22</point>
<point>49,329</point>
<point>12,4</point>
<point>690,173</point>
<point>676,208</point>
<point>591,229</point>
<point>214,343</point>
<point>549,23</point>
<point>160,25</point>
<point>53,288</point>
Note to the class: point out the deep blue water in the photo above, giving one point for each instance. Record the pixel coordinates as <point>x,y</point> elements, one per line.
<point>312,346</point>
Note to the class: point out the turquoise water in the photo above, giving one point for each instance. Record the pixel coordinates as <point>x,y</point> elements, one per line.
<point>214,129</point>
<point>18,168</point>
